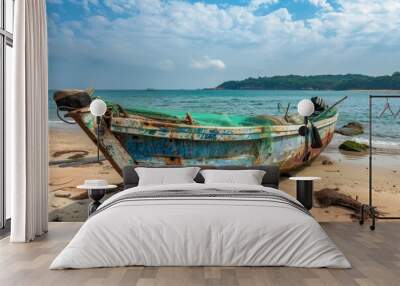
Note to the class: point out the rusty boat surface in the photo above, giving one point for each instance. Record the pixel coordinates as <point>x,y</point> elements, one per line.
<point>143,138</point>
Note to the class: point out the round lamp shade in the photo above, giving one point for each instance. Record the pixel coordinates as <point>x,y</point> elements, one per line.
<point>305,107</point>
<point>98,107</point>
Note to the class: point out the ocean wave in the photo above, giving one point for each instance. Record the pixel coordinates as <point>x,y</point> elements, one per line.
<point>57,123</point>
<point>379,143</point>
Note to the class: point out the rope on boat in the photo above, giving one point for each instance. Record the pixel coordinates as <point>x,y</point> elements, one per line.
<point>62,118</point>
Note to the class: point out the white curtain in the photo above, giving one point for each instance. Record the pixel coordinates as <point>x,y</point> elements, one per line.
<point>27,151</point>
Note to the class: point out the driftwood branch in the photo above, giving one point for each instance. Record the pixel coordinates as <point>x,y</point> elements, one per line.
<point>331,197</point>
<point>75,163</point>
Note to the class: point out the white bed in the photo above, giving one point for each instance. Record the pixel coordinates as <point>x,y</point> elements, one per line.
<point>202,231</point>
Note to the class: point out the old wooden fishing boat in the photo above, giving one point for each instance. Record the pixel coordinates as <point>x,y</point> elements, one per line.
<point>156,138</point>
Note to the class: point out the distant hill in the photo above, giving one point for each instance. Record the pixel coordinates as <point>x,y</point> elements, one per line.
<point>316,82</point>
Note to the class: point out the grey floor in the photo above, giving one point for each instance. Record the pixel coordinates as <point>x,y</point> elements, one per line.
<point>375,257</point>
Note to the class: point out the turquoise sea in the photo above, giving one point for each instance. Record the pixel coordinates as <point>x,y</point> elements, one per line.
<point>255,102</point>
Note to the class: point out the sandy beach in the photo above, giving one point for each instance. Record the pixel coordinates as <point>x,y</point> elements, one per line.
<point>346,172</point>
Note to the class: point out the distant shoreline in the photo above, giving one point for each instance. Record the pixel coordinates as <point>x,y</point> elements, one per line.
<point>339,82</point>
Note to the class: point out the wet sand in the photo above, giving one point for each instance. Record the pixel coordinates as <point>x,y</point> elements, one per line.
<point>348,172</point>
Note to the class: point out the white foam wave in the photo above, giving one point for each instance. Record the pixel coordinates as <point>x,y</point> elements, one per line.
<point>379,143</point>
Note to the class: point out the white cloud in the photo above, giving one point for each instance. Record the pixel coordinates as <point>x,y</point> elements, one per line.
<point>206,62</point>
<point>126,6</point>
<point>86,3</point>
<point>255,4</point>
<point>166,65</point>
<point>321,4</point>
<point>356,36</point>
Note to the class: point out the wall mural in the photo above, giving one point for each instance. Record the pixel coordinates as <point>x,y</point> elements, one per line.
<point>157,113</point>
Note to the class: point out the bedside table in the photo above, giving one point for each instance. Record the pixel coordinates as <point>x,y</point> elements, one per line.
<point>96,190</point>
<point>304,190</point>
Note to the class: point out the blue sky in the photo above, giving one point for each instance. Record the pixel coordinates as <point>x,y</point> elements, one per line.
<point>195,44</point>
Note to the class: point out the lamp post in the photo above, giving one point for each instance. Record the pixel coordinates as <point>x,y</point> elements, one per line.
<point>305,108</point>
<point>98,108</point>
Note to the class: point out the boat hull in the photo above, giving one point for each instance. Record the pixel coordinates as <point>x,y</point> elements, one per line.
<point>143,142</point>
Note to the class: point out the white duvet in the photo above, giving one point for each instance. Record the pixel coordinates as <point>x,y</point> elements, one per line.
<point>200,231</point>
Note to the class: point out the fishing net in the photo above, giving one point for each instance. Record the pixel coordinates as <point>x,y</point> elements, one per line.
<point>223,119</point>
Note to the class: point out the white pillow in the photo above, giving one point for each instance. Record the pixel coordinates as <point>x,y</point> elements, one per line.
<point>248,177</point>
<point>166,176</point>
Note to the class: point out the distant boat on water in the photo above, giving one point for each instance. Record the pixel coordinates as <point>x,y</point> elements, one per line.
<point>158,137</point>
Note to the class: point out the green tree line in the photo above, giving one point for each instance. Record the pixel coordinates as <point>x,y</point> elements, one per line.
<point>316,82</point>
